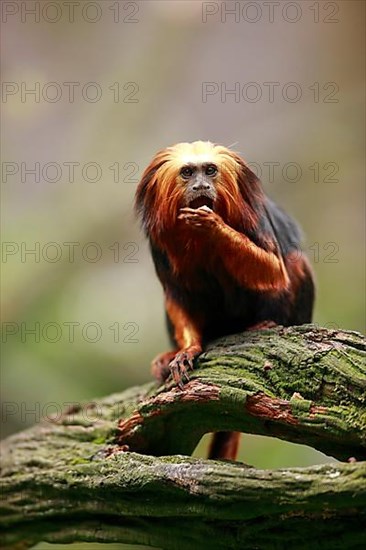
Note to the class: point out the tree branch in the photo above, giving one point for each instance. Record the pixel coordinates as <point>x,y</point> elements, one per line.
<point>80,477</point>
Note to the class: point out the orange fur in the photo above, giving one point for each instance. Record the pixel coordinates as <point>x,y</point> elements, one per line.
<point>298,268</point>
<point>187,332</point>
<point>260,270</point>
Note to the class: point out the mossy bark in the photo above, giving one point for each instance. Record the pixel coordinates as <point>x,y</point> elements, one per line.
<point>91,476</point>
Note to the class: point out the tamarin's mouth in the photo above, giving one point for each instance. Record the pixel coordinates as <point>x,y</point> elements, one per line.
<point>202,200</point>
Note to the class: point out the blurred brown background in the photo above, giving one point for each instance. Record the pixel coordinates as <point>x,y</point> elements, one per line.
<point>91,90</point>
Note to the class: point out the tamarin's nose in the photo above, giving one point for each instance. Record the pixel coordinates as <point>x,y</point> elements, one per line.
<point>201,186</point>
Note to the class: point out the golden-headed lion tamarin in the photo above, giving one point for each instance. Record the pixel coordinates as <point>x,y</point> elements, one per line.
<point>228,258</point>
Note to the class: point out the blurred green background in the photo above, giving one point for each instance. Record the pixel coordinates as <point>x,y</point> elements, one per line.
<point>116,81</point>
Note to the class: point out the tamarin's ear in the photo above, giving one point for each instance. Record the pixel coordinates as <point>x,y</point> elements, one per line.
<point>142,188</point>
<point>249,184</point>
<point>145,193</point>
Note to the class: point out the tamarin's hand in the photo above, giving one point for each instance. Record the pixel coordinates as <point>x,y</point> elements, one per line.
<point>228,258</point>
<point>202,218</point>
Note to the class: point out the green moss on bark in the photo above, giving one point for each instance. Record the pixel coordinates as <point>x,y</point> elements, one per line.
<point>73,480</point>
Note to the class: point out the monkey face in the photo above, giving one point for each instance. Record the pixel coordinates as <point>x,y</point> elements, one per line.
<point>195,175</point>
<point>199,184</point>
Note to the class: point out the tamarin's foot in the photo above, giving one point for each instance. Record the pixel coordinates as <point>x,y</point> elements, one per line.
<point>174,364</point>
<point>179,366</point>
<point>160,365</point>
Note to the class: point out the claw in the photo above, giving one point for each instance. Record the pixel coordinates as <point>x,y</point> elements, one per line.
<point>179,368</point>
<point>160,365</point>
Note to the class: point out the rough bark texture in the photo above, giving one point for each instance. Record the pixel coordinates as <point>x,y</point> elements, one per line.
<point>91,476</point>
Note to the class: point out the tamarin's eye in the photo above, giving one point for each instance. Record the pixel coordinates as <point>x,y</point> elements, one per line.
<point>186,172</point>
<point>211,170</point>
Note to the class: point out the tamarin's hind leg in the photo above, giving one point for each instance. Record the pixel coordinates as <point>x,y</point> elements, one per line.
<point>224,445</point>
<point>187,334</point>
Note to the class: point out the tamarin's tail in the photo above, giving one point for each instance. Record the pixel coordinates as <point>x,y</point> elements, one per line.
<point>224,445</point>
